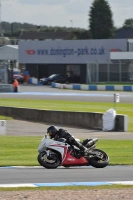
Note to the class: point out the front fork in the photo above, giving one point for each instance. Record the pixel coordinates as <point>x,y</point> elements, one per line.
<point>48,152</point>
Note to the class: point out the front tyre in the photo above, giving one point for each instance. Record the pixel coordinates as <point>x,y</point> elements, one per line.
<point>101,161</point>
<point>50,162</point>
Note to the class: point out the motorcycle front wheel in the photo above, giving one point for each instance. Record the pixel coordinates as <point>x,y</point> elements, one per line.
<point>50,162</point>
<point>101,161</point>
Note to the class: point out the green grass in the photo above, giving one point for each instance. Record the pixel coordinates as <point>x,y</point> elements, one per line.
<point>19,150</point>
<point>109,187</point>
<point>121,108</point>
<point>120,152</point>
<point>5,118</point>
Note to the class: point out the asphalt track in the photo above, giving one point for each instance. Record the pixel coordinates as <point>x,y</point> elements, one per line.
<point>24,175</point>
<point>16,175</point>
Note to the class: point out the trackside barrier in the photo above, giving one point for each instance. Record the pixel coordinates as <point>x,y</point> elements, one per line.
<point>2,127</point>
<point>78,119</point>
<point>109,120</point>
<point>6,88</point>
<point>119,120</point>
<point>33,81</point>
<point>93,87</point>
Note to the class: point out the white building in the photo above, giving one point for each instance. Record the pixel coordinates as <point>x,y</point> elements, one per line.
<point>86,60</point>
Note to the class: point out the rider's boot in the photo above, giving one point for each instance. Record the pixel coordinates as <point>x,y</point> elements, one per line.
<point>84,150</point>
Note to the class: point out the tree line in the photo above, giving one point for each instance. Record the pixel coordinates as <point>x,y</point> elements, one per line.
<point>100,20</point>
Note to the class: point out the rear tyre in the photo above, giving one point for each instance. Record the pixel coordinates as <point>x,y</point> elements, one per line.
<point>50,162</point>
<point>101,162</point>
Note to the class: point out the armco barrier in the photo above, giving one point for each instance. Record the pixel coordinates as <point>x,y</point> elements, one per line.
<point>77,119</point>
<point>93,87</point>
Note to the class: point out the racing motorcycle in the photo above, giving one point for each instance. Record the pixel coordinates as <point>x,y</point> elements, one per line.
<point>53,153</point>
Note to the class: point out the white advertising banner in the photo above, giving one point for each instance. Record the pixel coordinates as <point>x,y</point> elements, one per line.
<point>69,51</point>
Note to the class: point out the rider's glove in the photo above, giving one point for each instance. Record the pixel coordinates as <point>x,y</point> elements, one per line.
<point>70,140</point>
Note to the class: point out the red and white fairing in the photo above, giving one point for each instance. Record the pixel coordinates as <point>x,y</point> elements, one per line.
<point>67,158</point>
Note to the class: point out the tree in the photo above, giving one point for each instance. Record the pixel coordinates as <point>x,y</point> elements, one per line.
<point>128,23</point>
<point>100,20</point>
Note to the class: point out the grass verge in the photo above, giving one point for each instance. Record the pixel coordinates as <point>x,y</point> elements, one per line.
<point>19,150</point>
<point>109,187</point>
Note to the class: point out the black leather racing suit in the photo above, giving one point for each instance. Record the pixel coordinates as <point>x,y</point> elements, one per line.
<point>62,133</point>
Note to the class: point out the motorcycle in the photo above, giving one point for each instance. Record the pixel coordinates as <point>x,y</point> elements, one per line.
<point>53,153</point>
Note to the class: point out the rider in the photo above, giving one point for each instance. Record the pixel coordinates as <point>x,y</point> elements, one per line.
<point>56,133</point>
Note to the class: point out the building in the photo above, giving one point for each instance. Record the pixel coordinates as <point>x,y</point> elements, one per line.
<point>30,35</point>
<point>8,59</point>
<point>123,34</point>
<point>87,60</point>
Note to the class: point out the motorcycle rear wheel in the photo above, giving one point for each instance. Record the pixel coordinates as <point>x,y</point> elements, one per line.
<point>97,162</point>
<point>48,163</point>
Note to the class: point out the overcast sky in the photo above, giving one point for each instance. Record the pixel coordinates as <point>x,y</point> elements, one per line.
<point>60,12</point>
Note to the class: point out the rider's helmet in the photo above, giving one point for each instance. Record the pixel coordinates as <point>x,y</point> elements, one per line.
<point>51,131</point>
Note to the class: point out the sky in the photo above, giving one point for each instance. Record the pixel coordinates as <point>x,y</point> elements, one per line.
<point>68,13</point>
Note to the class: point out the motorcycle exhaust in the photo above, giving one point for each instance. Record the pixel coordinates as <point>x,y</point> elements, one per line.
<point>91,142</point>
